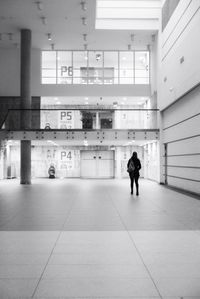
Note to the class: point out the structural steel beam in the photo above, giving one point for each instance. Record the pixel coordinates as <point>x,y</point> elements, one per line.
<point>75,136</point>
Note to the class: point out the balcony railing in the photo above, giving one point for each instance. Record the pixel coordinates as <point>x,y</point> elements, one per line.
<point>80,119</point>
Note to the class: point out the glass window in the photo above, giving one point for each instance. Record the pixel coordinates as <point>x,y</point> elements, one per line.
<point>49,67</point>
<point>95,67</point>
<point>80,61</point>
<point>111,67</point>
<point>126,68</point>
<point>64,67</point>
<point>141,67</point>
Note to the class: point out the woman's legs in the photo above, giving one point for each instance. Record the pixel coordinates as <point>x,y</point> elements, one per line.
<point>131,182</point>
<point>136,178</point>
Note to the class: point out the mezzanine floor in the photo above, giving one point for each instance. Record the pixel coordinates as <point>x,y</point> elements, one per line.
<point>78,238</point>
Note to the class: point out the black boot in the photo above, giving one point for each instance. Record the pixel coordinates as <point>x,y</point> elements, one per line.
<point>137,192</point>
<point>131,191</point>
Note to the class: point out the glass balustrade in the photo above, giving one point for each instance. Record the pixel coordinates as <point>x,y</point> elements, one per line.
<point>80,119</point>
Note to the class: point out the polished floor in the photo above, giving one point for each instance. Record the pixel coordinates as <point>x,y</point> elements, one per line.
<point>92,239</point>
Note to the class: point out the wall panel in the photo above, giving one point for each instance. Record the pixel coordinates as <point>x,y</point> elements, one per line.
<point>182,137</point>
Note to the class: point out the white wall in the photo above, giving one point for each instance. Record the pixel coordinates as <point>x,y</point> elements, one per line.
<point>180,38</point>
<point>178,97</point>
<point>181,133</point>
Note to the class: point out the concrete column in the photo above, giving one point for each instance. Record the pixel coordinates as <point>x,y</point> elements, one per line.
<point>25,170</point>
<point>118,174</point>
<point>97,121</point>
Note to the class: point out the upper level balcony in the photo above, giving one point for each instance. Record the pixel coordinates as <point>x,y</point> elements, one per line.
<point>95,67</point>
<point>78,125</point>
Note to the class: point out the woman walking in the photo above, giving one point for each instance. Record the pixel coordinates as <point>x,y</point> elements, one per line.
<point>133,168</point>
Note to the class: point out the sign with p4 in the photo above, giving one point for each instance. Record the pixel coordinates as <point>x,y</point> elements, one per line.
<point>66,159</point>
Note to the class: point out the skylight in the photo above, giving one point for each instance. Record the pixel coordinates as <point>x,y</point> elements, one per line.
<point>127,14</point>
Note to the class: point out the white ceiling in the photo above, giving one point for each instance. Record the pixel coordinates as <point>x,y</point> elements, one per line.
<point>60,143</point>
<point>63,21</point>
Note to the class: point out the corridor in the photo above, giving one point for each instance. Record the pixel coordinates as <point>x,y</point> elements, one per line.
<point>76,238</point>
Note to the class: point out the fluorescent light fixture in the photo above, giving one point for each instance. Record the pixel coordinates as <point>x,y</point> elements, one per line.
<point>132,37</point>
<point>49,36</point>
<point>83,5</point>
<point>84,21</point>
<point>39,5</point>
<point>44,20</point>
<point>54,143</point>
<point>10,36</point>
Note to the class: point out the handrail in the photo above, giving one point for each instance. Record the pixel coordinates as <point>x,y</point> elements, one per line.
<point>87,108</point>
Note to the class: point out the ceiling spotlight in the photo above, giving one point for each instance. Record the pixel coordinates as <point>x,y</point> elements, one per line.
<point>132,37</point>
<point>39,5</point>
<point>16,45</point>
<point>83,5</point>
<point>49,36</point>
<point>153,37</point>
<point>98,57</point>
<point>44,20</point>
<point>52,46</point>
<point>10,36</point>
<point>85,46</point>
<point>84,22</point>
<point>129,47</point>
<point>85,37</point>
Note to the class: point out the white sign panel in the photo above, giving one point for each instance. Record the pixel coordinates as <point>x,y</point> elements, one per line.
<point>66,159</point>
<point>65,119</point>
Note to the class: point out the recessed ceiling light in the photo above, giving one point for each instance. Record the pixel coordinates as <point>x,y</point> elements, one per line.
<point>86,98</point>
<point>58,102</point>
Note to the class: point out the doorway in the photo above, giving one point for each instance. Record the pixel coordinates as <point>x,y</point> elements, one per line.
<point>97,164</point>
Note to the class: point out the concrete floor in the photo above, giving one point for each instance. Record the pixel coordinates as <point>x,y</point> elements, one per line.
<point>92,239</point>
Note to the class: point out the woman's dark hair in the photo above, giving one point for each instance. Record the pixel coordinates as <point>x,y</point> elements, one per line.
<point>134,155</point>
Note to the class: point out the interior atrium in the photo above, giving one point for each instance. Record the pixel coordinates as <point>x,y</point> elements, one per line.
<point>83,85</point>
